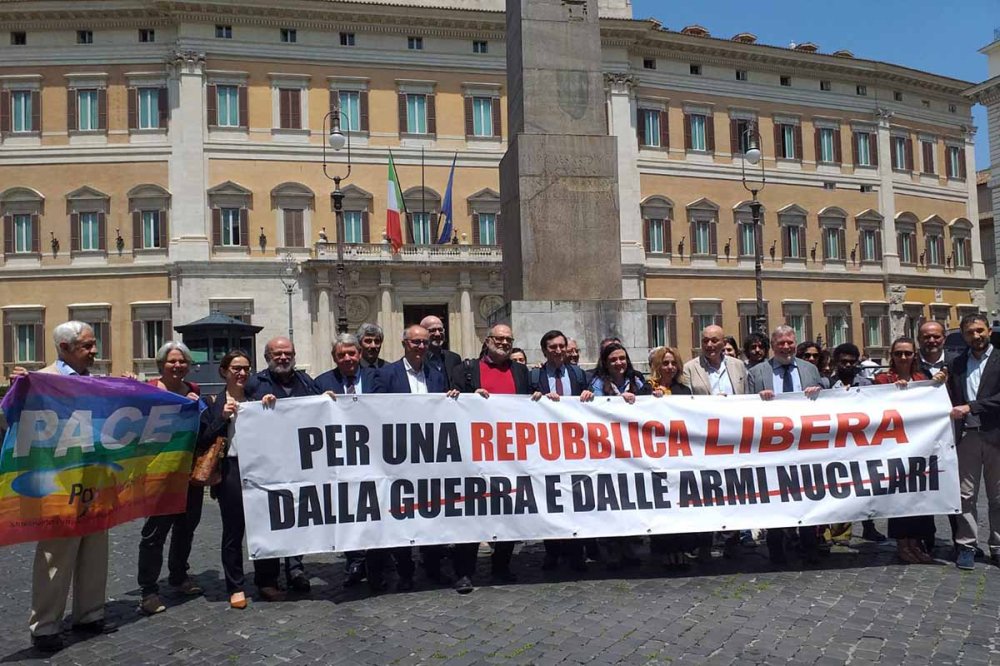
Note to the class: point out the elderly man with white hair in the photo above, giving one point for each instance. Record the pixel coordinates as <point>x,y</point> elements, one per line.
<point>82,560</point>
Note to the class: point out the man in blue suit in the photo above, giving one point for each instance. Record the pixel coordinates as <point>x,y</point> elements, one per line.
<point>783,373</point>
<point>410,374</point>
<point>348,377</point>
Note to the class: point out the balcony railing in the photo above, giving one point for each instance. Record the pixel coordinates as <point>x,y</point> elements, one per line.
<point>382,253</point>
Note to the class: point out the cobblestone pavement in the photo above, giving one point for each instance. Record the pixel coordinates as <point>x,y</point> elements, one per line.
<point>858,606</point>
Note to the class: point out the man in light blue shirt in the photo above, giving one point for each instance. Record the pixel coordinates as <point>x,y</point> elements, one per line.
<point>974,386</point>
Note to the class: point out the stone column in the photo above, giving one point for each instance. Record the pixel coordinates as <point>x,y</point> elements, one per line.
<point>468,317</point>
<point>972,202</point>
<point>622,119</point>
<point>886,193</point>
<point>187,170</point>
<point>386,318</point>
<point>324,325</point>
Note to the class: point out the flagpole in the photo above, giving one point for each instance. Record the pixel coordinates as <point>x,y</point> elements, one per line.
<point>423,206</point>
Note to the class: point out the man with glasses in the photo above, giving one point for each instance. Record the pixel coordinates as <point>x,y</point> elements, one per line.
<point>411,374</point>
<point>783,373</point>
<point>281,380</point>
<point>443,359</point>
<point>555,379</point>
<point>492,373</point>
<point>974,386</point>
<point>848,375</point>
<point>934,358</point>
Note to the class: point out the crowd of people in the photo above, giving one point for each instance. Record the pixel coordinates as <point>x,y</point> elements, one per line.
<point>766,366</point>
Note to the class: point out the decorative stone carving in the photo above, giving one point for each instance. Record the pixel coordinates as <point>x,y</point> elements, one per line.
<point>425,279</point>
<point>487,304</point>
<point>938,295</point>
<point>358,308</point>
<point>620,82</point>
<point>495,278</point>
<point>187,61</point>
<point>897,295</point>
<point>354,275</point>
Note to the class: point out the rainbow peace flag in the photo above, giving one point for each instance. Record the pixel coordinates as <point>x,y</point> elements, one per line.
<point>83,454</point>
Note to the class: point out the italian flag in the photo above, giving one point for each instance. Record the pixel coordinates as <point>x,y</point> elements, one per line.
<point>394,208</point>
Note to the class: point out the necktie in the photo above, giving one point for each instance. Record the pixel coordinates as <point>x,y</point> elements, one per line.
<point>786,382</point>
<point>559,386</point>
<point>349,385</point>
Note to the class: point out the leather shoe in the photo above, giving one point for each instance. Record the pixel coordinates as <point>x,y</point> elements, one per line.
<point>47,643</point>
<point>504,576</point>
<point>355,573</point>
<point>95,627</point>
<point>299,583</point>
<point>272,593</point>
<point>238,600</point>
<point>464,585</point>
<point>869,533</point>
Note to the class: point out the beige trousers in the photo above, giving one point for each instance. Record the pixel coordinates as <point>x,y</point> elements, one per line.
<point>82,561</point>
<point>979,460</point>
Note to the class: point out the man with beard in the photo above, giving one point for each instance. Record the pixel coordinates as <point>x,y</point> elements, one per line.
<point>974,386</point>
<point>280,380</point>
<point>492,373</point>
<point>784,373</point>
<point>370,337</point>
<point>845,365</point>
<point>755,349</point>
<point>443,360</point>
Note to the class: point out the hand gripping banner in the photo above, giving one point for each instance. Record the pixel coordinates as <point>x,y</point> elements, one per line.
<point>373,471</point>
<point>85,453</point>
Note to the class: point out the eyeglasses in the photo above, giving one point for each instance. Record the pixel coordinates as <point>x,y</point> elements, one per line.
<point>808,355</point>
<point>239,369</point>
<point>902,354</point>
<point>502,339</point>
<point>418,343</point>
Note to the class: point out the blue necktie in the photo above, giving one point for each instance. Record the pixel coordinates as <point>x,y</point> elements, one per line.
<point>786,382</point>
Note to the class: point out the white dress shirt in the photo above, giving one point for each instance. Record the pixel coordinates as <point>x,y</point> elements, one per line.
<point>418,382</point>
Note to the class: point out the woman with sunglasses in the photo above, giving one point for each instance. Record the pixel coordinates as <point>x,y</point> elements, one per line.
<point>911,532</point>
<point>235,369</point>
<point>809,351</point>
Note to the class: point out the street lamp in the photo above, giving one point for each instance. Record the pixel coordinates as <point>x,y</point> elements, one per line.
<point>337,140</point>
<point>754,184</point>
<point>289,278</point>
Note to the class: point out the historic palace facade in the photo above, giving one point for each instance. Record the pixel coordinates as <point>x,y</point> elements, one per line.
<point>160,159</point>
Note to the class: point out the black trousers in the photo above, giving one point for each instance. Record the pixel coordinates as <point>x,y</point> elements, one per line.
<point>154,536</point>
<point>377,561</point>
<point>230,495</point>
<point>431,556</point>
<point>466,554</point>
<point>807,537</point>
<point>569,549</point>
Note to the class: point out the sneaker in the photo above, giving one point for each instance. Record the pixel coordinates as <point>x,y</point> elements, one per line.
<point>189,588</point>
<point>966,559</point>
<point>151,604</point>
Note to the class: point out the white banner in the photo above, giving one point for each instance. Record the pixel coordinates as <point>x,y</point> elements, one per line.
<point>389,470</point>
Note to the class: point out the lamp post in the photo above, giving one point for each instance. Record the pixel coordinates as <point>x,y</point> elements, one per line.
<point>289,278</point>
<point>337,140</point>
<point>754,184</point>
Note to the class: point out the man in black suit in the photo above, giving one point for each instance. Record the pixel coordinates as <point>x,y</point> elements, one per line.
<point>370,336</point>
<point>933,359</point>
<point>411,374</point>
<point>348,377</point>
<point>443,359</point>
<point>492,373</point>
<point>554,379</point>
<point>280,380</point>
<point>974,386</point>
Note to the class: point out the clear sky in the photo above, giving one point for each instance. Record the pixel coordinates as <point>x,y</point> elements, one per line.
<point>939,37</point>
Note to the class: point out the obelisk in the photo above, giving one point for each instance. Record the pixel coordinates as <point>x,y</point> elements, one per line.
<point>558,183</point>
